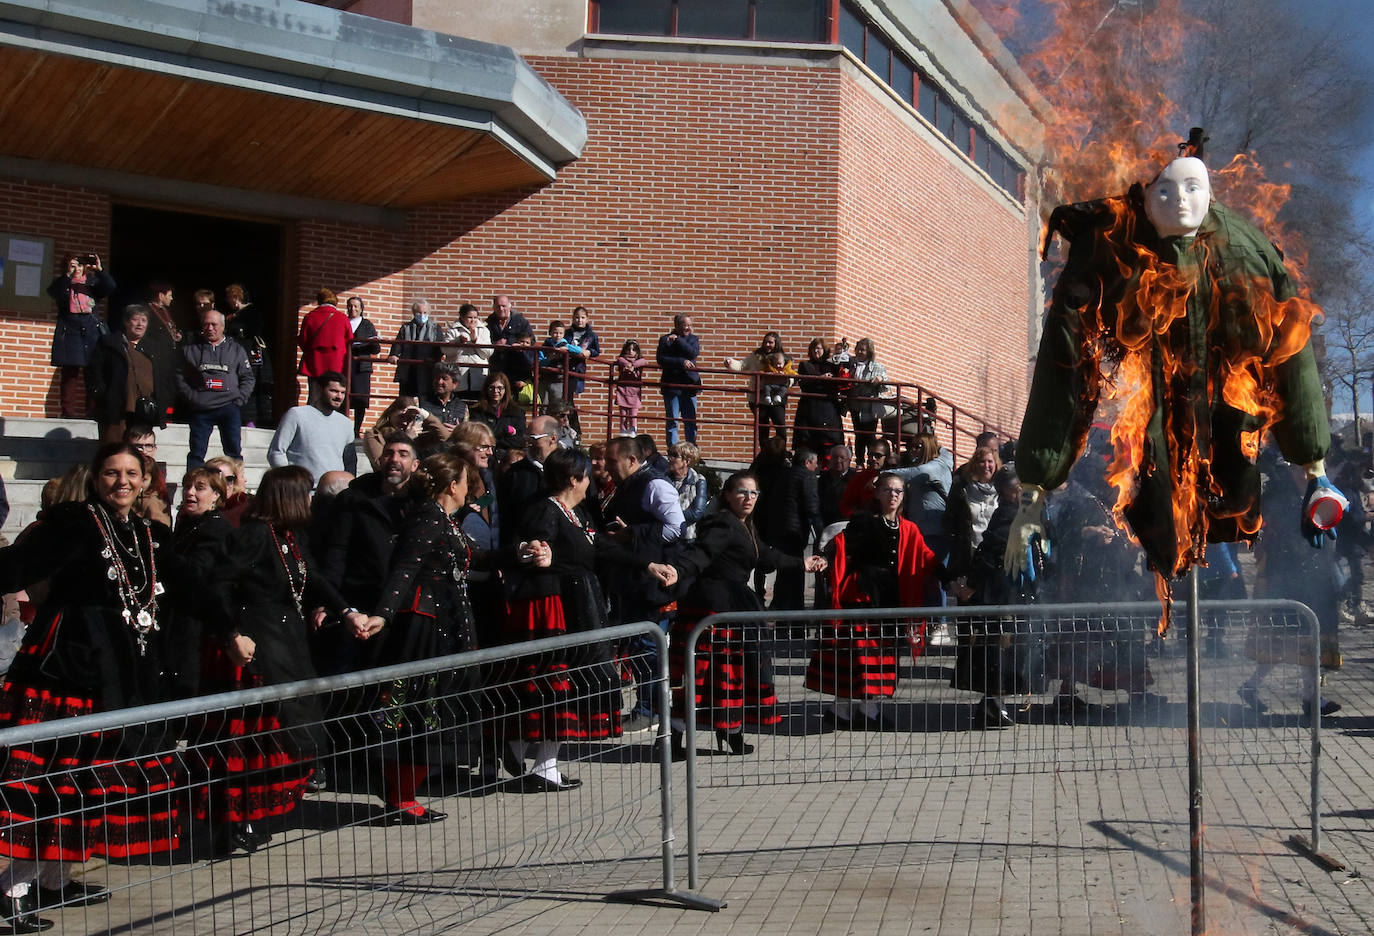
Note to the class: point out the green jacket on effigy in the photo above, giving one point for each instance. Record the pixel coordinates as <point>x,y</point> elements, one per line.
<point>1235,291</point>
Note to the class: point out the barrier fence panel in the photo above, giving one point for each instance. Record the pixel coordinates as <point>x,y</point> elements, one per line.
<point>327,767</point>
<point>968,693</point>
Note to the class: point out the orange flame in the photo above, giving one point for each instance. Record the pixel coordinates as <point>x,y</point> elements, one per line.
<point>1106,69</point>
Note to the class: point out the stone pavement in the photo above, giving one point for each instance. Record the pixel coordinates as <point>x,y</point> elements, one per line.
<point>927,827</point>
<point>1011,854</point>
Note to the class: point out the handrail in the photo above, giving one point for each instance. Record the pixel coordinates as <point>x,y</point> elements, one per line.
<point>949,417</point>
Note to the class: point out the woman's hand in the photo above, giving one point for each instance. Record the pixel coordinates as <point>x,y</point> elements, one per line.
<point>539,553</point>
<point>317,618</point>
<point>815,564</point>
<point>364,626</point>
<point>241,649</point>
<point>665,573</point>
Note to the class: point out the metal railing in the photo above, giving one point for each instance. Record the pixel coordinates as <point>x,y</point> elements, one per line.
<point>904,408</point>
<point>886,694</point>
<point>351,856</point>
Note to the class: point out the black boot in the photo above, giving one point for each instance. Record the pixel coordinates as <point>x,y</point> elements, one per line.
<point>20,914</point>
<point>733,742</point>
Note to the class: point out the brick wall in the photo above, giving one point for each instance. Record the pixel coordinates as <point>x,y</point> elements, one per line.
<point>707,189</point>
<point>78,220</point>
<point>754,197</point>
<point>932,263</point>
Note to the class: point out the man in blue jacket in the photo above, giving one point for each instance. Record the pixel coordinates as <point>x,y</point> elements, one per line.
<point>678,378</point>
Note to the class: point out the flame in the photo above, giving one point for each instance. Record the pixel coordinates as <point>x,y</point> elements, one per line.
<point>1107,68</point>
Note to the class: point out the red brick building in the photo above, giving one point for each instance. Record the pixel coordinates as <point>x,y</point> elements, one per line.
<point>837,168</point>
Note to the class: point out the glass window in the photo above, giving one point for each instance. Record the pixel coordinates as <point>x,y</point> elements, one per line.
<point>926,97</point>
<point>957,129</point>
<point>713,19</point>
<point>635,17</point>
<point>851,31</point>
<point>790,20</point>
<point>982,151</point>
<point>878,55</point>
<point>902,75</point>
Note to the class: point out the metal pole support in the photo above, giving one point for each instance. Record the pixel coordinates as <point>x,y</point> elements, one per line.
<point>1195,829</point>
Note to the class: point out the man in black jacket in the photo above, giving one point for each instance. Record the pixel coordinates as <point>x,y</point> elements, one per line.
<point>356,559</point>
<point>797,515</point>
<point>523,483</point>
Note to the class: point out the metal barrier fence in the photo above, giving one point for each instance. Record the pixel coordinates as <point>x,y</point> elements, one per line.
<point>886,694</point>
<point>351,857</point>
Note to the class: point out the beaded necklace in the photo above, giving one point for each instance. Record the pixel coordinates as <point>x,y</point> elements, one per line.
<point>296,582</point>
<point>571,514</point>
<point>134,577</point>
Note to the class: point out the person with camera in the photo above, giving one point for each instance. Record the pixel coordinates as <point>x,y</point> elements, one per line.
<point>121,379</point>
<point>79,326</point>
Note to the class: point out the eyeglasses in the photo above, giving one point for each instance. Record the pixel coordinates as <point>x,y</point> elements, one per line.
<point>486,448</point>
<point>534,437</point>
<point>892,490</point>
<point>743,493</point>
<point>228,478</point>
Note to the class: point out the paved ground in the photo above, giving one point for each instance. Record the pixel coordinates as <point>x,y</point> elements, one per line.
<point>1057,826</point>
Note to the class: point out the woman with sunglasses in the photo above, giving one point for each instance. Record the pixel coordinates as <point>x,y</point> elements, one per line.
<point>734,678</point>
<point>879,561</point>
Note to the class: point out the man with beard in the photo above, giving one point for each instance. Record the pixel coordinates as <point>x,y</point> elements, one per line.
<point>317,436</point>
<point>367,516</point>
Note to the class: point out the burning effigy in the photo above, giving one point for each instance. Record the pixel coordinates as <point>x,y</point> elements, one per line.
<point>1183,313</point>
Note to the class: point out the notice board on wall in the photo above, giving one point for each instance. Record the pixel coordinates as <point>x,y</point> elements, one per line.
<point>26,264</point>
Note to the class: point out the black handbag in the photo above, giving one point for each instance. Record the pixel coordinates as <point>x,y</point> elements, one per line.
<point>146,410</point>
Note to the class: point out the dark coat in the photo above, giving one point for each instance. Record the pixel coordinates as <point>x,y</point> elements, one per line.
<point>797,511</point>
<point>366,342</point>
<point>517,490</point>
<point>79,644</point>
<point>202,545</point>
<point>672,355</point>
<point>107,378</point>
<point>365,523</point>
<point>75,336</point>
<point>717,567</point>
<point>509,423</point>
<point>162,349</point>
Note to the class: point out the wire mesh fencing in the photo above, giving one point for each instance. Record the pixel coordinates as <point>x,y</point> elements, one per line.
<point>891,694</point>
<point>414,798</point>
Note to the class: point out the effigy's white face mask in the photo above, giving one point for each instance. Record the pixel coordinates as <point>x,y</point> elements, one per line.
<point>1177,201</point>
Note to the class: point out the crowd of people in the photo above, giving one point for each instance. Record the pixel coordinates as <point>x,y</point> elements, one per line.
<point>152,362</point>
<point>485,522</point>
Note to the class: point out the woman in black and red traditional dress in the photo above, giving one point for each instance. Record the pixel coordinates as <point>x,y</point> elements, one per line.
<point>733,679</point>
<point>425,612</point>
<point>570,695</point>
<point>95,645</point>
<point>881,560</point>
<point>269,589</point>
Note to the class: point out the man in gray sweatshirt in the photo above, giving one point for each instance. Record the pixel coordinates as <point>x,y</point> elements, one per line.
<point>215,381</point>
<point>317,436</point>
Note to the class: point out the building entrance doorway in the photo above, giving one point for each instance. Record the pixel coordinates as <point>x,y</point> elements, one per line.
<point>198,251</point>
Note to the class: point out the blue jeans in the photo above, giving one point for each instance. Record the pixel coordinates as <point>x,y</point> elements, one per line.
<point>199,424</point>
<point>678,405</point>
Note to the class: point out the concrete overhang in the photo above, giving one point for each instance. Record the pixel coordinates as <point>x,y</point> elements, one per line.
<point>275,96</point>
